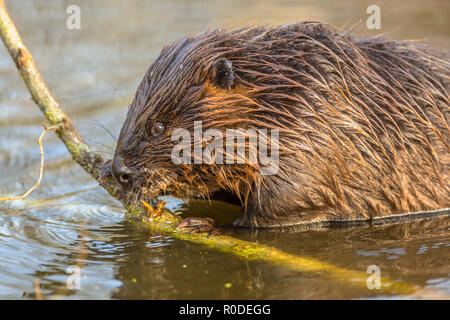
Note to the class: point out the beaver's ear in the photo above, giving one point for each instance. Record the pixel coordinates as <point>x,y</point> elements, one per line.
<point>222,73</point>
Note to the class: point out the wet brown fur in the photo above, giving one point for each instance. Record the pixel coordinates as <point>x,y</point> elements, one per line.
<point>364,122</point>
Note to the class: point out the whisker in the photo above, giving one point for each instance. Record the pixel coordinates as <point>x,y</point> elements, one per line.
<point>127,101</point>
<point>99,144</point>
<point>104,152</point>
<point>96,122</point>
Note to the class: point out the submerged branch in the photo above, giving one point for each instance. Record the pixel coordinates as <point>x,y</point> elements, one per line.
<point>165,222</point>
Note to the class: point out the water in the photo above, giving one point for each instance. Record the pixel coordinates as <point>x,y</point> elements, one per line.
<point>70,221</point>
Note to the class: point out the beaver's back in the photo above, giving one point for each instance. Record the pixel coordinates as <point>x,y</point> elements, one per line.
<point>369,133</point>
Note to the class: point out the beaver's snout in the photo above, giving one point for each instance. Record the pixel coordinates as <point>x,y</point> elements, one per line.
<point>120,171</point>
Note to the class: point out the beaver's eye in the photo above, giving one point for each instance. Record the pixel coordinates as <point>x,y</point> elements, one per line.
<point>157,129</point>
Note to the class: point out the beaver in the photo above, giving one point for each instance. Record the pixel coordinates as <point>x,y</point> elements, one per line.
<point>363,123</point>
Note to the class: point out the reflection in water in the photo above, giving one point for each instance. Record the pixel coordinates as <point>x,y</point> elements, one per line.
<point>69,220</point>
<point>129,262</point>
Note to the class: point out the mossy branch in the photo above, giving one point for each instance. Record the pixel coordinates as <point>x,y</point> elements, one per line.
<point>165,222</point>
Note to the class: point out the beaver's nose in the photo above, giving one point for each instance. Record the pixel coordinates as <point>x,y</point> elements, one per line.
<point>120,172</point>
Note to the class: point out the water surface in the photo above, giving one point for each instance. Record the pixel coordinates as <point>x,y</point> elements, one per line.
<point>69,220</point>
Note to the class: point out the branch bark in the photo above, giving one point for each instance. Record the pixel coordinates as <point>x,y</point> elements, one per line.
<point>164,223</point>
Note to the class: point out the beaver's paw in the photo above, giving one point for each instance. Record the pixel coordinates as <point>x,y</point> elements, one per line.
<point>201,225</point>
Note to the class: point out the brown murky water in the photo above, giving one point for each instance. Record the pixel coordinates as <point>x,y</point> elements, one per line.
<point>69,220</point>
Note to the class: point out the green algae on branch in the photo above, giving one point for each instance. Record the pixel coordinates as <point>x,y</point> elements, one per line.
<point>165,222</point>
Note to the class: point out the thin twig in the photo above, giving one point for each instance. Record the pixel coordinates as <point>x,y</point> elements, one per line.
<point>41,169</point>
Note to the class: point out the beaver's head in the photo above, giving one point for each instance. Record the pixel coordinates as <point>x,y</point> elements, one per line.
<point>214,79</point>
